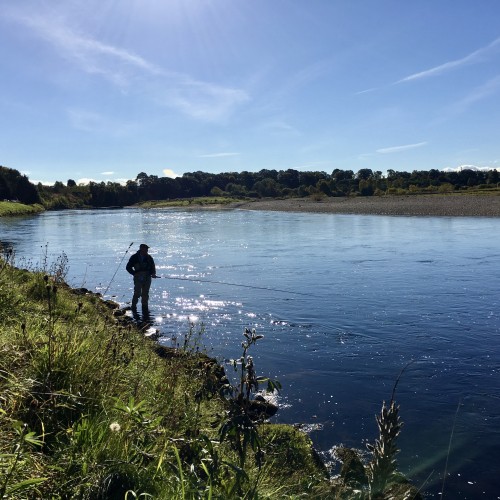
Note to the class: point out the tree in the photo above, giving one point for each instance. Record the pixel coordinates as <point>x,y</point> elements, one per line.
<point>267,188</point>
<point>4,189</point>
<point>391,174</point>
<point>366,187</point>
<point>325,187</point>
<point>142,179</point>
<point>492,177</point>
<point>18,187</point>
<point>311,178</point>
<point>236,189</point>
<point>364,174</point>
<point>342,175</point>
<point>289,178</point>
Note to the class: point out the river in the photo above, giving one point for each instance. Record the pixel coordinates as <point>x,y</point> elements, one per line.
<point>344,302</point>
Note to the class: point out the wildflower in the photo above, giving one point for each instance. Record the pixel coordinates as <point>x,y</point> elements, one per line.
<point>115,427</point>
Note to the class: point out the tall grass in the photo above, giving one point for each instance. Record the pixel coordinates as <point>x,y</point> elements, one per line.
<point>10,208</point>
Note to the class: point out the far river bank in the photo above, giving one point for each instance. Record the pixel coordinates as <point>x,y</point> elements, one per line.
<point>447,205</point>
<point>459,205</point>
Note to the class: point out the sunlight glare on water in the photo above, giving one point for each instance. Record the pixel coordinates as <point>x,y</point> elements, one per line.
<point>344,302</point>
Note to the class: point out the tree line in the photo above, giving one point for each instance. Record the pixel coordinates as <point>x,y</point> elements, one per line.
<point>17,187</point>
<point>262,184</point>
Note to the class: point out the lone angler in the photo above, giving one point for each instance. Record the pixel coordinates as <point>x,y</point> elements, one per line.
<point>142,267</point>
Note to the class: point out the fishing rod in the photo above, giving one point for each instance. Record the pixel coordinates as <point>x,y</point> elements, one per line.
<point>119,265</point>
<point>170,277</point>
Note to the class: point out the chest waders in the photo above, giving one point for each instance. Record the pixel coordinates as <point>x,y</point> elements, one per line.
<point>142,283</point>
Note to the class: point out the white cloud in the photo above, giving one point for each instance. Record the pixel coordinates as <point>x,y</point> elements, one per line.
<point>44,183</point>
<point>107,173</point>
<point>471,58</point>
<point>467,167</point>
<point>121,180</point>
<point>397,149</point>
<point>85,180</point>
<point>170,173</point>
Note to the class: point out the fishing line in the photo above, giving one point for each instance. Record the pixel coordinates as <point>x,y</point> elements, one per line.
<point>236,284</point>
<point>119,265</point>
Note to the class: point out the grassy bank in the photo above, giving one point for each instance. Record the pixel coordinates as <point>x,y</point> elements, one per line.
<point>92,409</point>
<point>14,208</point>
<point>199,202</point>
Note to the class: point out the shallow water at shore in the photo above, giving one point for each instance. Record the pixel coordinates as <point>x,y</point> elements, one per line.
<point>344,302</point>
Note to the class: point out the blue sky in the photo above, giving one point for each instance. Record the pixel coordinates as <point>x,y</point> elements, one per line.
<point>105,89</point>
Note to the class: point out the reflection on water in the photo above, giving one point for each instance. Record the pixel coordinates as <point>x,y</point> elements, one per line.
<point>344,303</point>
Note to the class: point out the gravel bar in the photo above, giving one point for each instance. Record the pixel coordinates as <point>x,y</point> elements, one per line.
<point>410,205</point>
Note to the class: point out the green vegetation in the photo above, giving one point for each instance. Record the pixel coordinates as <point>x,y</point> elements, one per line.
<point>205,188</point>
<point>90,408</point>
<point>202,201</point>
<point>17,187</point>
<point>14,208</point>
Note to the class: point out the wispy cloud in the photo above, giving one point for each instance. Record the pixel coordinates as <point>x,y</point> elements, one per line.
<point>472,58</point>
<point>90,121</point>
<point>89,54</point>
<point>280,127</point>
<point>218,155</point>
<point>107,173</point>
<point>308,74</point>
<point>198,99</point>
<point>201,100</point>
<point>478,94</point>
<point>292,82</point>
<point>366,91</point>
<point>397,149</point>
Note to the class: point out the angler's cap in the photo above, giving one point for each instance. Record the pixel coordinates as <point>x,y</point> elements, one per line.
<point>143,245</point>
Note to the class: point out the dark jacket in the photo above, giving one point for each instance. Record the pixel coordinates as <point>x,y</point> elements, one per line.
<point>136,265</point>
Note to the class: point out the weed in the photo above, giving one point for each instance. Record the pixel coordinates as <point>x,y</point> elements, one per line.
<point>240,426</point>
<point>382,467</point>
<point>23,439</point>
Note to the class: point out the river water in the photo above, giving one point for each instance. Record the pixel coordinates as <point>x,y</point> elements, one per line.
<point>344,302</point>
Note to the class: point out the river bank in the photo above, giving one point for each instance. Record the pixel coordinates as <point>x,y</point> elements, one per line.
<point>96,408</point>
<point>440,205</point>
<point>450,205</point>
<point>12,208</point>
